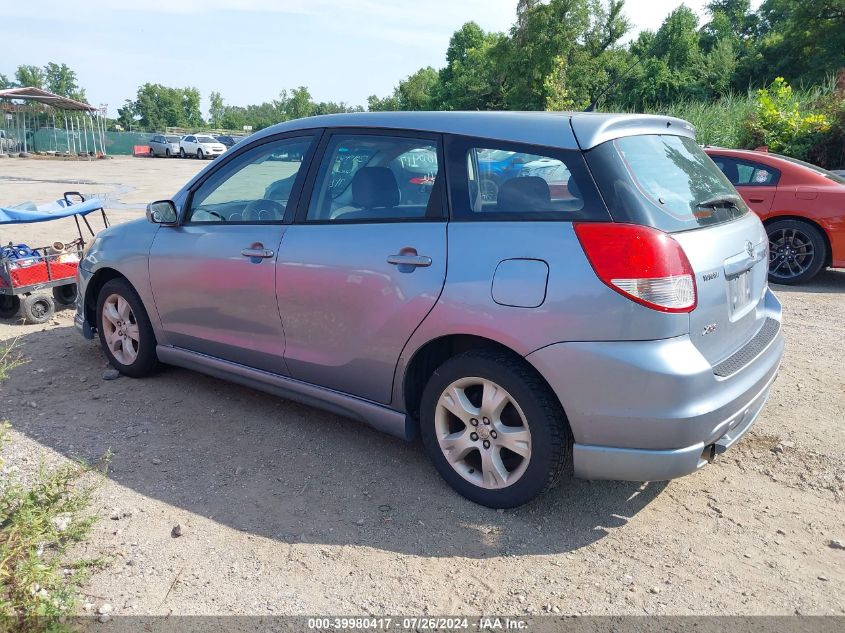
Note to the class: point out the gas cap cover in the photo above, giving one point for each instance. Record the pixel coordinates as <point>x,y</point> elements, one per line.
<point>520,283</point>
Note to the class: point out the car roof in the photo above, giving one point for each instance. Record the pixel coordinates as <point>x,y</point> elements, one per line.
<point>568,130</point>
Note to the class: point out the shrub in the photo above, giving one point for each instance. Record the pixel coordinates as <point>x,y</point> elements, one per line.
<point>785,123</point>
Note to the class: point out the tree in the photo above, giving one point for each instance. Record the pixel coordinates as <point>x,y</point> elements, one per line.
<point>801,40</point>
<point>5,82</point>
<point>29,76</point>
<point>473,76</point>
<point>216,109</point>
<point>158,107</point>
<point>126,116</point>
<point>298,105</point>
<point>417,92</point>
<point>61,80</point>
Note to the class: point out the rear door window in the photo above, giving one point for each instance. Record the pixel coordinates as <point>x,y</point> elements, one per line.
<point>377,177</point>
<point>492,180</point>
<point>663,181</point>
<point>743,173</point>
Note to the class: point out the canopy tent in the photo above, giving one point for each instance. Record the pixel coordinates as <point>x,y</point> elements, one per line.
<point>84,126</point>
<point>29,212</point>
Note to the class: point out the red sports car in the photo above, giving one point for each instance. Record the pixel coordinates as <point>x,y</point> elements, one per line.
<point>801,205</point>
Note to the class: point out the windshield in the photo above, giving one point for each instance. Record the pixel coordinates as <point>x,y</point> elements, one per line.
<point>663,181</point>
<point>205,139</point>
<point>172,139</point>
<point>815,168</point>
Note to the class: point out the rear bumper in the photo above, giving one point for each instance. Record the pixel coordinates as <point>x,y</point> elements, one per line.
<point>647,410</point>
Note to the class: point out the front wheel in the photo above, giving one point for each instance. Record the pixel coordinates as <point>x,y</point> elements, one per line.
<point>167,153</point>
<point>126,335</point>
<point>37,309</point>
<point>494,429</point>
<point>797,251</point>
<point>199,154</point>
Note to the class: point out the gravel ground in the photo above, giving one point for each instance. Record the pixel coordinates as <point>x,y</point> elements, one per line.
<point>284,509</point>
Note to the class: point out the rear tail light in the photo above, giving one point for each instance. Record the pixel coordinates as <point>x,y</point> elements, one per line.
<point>643,264</point>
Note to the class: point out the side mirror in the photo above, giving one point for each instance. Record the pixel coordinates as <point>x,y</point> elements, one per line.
<point>162,212</point>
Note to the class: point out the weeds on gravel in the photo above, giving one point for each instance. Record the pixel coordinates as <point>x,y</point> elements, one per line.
<point>40,518</point>
<point>9,359</point>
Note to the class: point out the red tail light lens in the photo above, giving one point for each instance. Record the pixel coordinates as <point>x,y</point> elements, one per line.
<point>643,264</point>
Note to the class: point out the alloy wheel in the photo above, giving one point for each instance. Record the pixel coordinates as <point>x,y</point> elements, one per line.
<point>120,329</point>
<point>791,253</point>
<point>483,433</point>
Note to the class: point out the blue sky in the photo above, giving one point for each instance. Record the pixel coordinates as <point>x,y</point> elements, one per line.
<point>249,50</point>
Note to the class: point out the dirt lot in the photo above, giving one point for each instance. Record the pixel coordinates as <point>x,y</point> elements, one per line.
<point>286,509</point>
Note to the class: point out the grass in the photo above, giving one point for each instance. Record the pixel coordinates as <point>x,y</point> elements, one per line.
<point>720,121</point>
<point>9,359</point>
<point>41,517</point>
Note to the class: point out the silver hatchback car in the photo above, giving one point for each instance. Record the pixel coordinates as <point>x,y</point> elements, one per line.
<point>536,295</point>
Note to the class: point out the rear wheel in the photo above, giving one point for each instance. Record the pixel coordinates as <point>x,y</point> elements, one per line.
<point>493,429</point>
<point>9,306</point>
<point>181,152</point>
<point>125,332</point>
<point>37,309</point>
<point>65,295</point>
<point>797,251</point>
<point>152,153</point>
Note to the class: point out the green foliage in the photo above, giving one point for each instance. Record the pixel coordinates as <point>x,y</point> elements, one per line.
<point>216,109</point>
<point>29,76</point>
<point>785,122</point>
<point>157,107</point>
<point>9,359</point>
<point>39,521</point>
<point>40,518</point>
<point>61,80</point>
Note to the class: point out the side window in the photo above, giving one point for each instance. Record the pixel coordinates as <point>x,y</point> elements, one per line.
<point>744,173</point>
<point>374,177</point>
<point>254,187</point>
<point>509,182</point>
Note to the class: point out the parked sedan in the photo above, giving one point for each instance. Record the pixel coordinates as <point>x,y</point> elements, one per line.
<point>164,145</point>
<point>200,146</point>
<point>802,207</point>
<point>625,331</point>
<point>229,141</point>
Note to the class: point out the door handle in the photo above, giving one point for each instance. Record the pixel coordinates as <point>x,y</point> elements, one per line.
<point>409,260</point>
<point>756,200</point>
<point>261,253</point>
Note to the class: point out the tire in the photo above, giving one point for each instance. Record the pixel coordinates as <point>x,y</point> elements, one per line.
<point>37,309</point>
<point>10,305</point>
<point>199,154</point>
<point>182,152</point>
<point>152,153</point>
<point>138,358</point>
<point>65,295</point>
<point>797,251</point>
<point>531,406</point>
<point>167,153</point>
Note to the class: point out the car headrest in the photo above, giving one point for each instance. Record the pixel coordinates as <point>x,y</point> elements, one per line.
<point>374,187</point>
<point>523,194</point>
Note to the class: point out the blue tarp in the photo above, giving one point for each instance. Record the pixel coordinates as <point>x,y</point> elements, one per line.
<point>28,212</point>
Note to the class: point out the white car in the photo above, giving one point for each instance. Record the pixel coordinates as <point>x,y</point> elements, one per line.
<point>201,146</point>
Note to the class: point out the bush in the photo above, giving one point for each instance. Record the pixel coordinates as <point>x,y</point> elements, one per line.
<point>786,123</point>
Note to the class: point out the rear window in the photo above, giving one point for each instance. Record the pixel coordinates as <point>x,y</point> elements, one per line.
<point>827,174</point>
<point>663,181</point>
<point>509,182</point>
